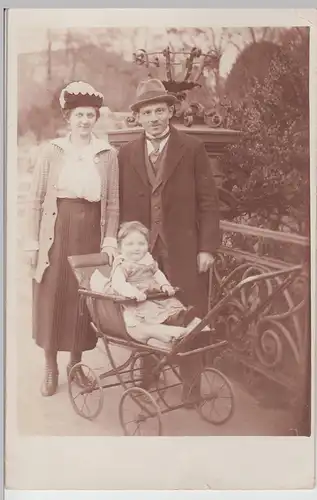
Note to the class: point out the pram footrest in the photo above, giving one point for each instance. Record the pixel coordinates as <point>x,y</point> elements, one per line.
<point>221,343</point>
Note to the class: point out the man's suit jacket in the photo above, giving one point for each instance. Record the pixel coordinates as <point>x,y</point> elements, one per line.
<point>189,205</point>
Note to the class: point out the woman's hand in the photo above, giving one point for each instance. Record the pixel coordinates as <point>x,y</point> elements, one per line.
<point>111,252</point>
<point>168,289</point>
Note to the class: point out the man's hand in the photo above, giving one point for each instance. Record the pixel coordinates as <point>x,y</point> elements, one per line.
<point>204,261</point>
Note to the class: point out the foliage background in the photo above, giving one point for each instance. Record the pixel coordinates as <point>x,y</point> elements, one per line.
<point>261,87</point>
<point>268,100</point>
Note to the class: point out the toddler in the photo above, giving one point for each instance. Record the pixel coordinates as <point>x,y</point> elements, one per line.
<point>135,273</point>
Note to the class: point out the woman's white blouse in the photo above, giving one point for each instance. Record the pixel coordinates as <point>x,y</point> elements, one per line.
<point>79,176</point>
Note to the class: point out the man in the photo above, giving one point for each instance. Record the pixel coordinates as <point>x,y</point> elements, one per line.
<point>167,184</point>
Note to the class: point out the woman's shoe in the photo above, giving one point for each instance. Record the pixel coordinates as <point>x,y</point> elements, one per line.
<point>78,375</point>
<point>50,382</point>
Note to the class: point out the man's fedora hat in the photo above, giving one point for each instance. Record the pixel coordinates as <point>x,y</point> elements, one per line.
<point>150,91</point>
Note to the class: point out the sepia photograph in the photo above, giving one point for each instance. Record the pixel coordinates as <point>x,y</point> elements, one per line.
<point>163,231</point>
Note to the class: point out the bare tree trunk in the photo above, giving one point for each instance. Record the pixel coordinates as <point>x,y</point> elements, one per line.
<point>70,54</point>
<point>264,33</point>
<point>49,55</point>
<point>217,83</point>
<point>74,65</point>
<point>68,39</point>
<point>252,33</point>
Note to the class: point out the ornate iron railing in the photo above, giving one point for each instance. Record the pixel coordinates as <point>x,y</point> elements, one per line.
<point>269,355</point>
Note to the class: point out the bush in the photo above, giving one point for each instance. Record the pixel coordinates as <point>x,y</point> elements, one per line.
<point>267,98</point>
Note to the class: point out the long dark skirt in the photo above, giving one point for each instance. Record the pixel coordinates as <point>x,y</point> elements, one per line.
<point>56,324</point>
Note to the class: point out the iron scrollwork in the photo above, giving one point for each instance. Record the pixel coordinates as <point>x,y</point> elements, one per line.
<point>196,62</point>
<point>265,322</point>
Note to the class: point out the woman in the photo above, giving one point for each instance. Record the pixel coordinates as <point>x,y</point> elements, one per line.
<point>74,210</point>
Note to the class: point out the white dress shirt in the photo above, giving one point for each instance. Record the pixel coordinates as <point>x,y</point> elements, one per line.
<point>79,177</point>
<point>149,145</point>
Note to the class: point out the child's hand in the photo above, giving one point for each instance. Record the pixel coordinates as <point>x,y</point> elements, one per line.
<point>139,296</point>
<point>135,293</point>
<point>168,289</point>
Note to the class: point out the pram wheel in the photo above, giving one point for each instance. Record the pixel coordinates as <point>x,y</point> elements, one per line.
<point>216,403</point>
<point>139,413</point>
<point>87,401</point>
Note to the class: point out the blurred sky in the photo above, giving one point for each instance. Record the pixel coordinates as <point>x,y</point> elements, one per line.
<point>34,39</point>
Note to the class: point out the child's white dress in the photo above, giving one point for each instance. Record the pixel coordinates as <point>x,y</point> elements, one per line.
<point>141,274</point>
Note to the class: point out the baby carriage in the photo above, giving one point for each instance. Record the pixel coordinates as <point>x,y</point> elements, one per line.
<point>141,410</point>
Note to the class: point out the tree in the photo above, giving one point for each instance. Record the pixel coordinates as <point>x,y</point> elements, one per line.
<point>267,97</point>
<point>75,41</point>
<point>218,41</point>
<point>49,55</point>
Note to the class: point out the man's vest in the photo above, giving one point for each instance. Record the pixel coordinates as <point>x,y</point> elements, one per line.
<point>155,174</point>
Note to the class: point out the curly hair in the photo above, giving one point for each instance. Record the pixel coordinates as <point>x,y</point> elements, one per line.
<point>129,227</point>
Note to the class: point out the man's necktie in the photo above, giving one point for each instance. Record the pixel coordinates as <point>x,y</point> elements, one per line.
<point>156,145</point>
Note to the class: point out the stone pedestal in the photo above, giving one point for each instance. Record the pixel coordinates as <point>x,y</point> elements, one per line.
<point>215,141</point>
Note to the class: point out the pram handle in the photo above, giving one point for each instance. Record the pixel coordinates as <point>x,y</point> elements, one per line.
<point>160,295</point>
<point>118,298</point>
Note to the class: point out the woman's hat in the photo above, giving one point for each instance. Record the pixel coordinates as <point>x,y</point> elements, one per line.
<point>78,94</point>
<point>150,91</point>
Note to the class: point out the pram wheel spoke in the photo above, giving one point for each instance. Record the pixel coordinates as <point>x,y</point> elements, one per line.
<point>139,413</point>
<point>216,401</point>
<point>136,368</point>
<point>87,401</point>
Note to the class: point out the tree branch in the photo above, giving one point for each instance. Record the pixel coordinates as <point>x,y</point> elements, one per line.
<point>252,33</point>
<point>213,37</point>
<point>265,30</point>
<point>234,44</point>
